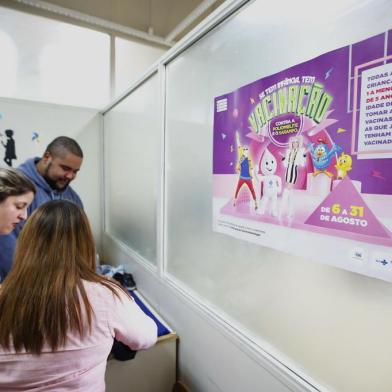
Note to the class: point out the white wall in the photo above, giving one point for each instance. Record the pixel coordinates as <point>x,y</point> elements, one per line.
<point>50,121</point>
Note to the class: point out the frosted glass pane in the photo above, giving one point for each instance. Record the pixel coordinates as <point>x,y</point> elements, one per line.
<point>317,318</point>
<point>132,60</point>
<point>51,61</point>
<point>132,161</point>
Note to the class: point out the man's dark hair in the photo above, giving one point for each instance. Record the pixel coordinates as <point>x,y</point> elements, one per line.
<point>63,145</point>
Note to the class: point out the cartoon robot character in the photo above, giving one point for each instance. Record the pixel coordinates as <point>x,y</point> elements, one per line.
<point>272,184</point>
<point>9,147</point>
<point>322,156</point>
<point>244,167</point>
<point>343,165</point>
<point>295,157</point>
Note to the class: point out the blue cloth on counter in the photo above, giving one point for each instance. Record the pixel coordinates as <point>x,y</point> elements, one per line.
<point>162,330</point>
<point>109,271</point>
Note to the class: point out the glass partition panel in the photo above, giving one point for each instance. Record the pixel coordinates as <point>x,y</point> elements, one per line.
<point>132,162</point>
<point>328,322</point>
<point>132,60</point>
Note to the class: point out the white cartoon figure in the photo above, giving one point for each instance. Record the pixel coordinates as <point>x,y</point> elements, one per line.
<point>272,184</point>
<point>295,157</point>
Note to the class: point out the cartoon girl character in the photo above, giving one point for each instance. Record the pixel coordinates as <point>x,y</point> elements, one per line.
<point>9,147</point>
<point>244,167</point>
<point>295,157</point>
<point>271,183</point>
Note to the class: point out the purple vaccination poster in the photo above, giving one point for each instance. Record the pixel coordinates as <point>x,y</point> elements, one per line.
<point>305,156</point>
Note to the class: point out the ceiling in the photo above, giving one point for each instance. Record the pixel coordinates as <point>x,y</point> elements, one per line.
<point>159,21</point>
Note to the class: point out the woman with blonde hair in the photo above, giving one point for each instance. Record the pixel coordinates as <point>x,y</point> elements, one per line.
<point>16,194</point>
<point>58,317</point>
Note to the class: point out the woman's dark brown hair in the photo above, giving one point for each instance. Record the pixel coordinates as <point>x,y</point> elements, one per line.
<point>43,297</point>
<point>14,183</point>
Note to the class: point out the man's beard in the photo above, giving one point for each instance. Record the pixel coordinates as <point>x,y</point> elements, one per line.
<point>52,183</point>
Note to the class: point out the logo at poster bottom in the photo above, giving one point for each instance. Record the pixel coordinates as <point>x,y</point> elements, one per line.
<point>282,128</point>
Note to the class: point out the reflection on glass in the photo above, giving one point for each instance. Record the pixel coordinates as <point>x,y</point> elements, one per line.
<point>132,132</point>
<point>52,61</point>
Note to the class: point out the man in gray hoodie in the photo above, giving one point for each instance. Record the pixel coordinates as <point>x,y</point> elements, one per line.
<point>51,175</point>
